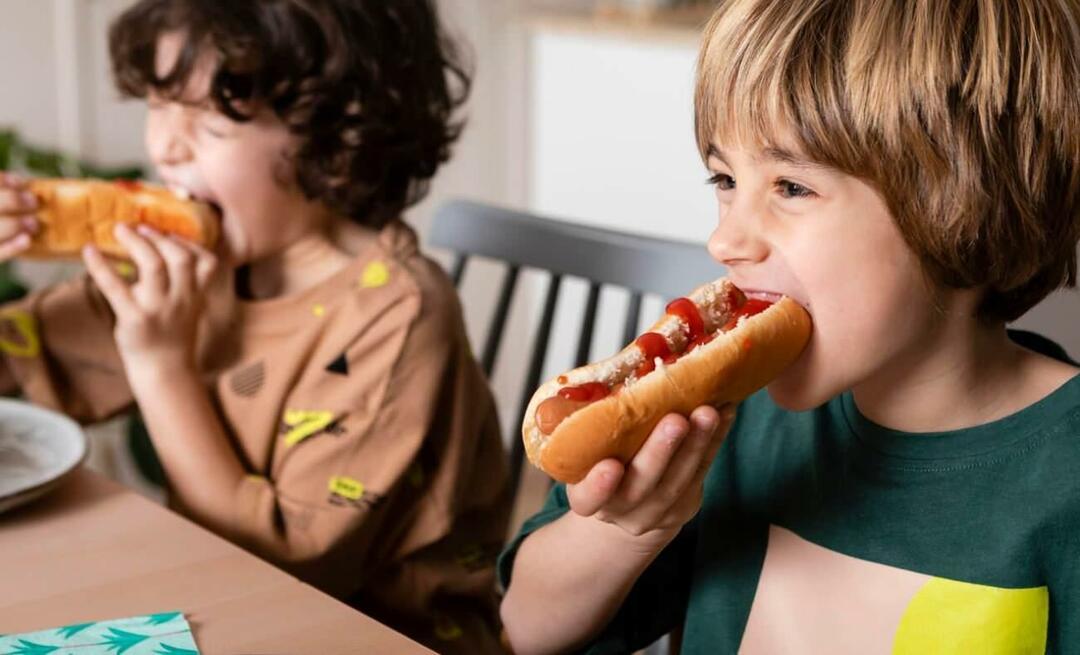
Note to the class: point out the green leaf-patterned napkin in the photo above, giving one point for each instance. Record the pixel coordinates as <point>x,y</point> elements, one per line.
<point>154,634</point>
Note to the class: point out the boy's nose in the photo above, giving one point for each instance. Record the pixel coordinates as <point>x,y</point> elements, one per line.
<point>167,140</point>
<point>736,239</point>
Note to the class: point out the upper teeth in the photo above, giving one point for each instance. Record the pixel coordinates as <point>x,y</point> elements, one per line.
<point>180,192</point>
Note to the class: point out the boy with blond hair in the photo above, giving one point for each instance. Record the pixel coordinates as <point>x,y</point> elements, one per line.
<point>909,172</point>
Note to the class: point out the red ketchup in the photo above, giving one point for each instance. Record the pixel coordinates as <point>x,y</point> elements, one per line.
<point>128,185</point>
<point>751,307</point>
<point>652,345</point>
<point>685,309</point>
<point>555,410</point>
<point>588,392</point>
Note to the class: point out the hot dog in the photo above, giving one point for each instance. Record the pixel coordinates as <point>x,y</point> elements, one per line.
<point>74,213</point>
<point>715,346</point>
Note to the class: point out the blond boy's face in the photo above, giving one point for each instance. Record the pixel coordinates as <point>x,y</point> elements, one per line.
<point>827,240</point>
<point>241,167</point>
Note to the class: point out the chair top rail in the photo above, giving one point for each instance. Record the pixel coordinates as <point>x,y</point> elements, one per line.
<point>640,263</point>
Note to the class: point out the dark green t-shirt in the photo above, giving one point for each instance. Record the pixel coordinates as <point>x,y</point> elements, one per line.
<point>823,532</point>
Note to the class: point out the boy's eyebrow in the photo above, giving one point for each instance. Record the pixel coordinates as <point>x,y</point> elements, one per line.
<point>772,153</point>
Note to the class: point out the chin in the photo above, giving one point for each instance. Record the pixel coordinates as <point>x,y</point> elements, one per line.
<point>797,389</point>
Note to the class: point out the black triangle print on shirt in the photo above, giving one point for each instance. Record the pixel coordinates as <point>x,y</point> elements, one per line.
<point>339,366</point>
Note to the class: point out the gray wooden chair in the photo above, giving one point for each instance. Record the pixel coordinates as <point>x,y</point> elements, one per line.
<point>642,265</point>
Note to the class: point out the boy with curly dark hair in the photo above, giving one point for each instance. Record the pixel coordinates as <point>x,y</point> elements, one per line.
<point>309,389</point>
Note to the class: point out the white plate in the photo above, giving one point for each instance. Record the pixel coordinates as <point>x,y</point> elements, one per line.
<point>38,448</point>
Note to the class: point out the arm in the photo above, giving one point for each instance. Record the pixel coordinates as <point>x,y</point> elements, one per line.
<point>202,467</point>
<point>571,577</point>
<point>156,321</point>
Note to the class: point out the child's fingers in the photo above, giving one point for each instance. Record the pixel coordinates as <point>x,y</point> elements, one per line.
<point>15,201</point>
<point>115,290</point>
<point>591,494</point>
<point>151,267</point>
<point>647,468</point>
<point>206,262</point>
<point>13,247</point>
<point>708,430</point>
<point>179,262</point>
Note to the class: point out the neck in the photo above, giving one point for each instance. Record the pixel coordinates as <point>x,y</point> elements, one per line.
<point>965,375</point>
<point>307,261</point>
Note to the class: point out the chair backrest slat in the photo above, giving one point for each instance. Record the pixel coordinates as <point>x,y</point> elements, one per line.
<point>458,270</point>
<point>588,322</point>
<point>633,318</point>
<point>536,368</point>
<point>498,321</point>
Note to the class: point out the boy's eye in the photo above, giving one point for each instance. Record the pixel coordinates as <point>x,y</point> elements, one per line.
<point>722,181</point>
<point>790,189</point>
<point>215,127</point>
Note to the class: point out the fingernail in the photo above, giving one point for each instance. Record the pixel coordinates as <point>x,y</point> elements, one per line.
<point>706,424</point>
<point>672,429</point>
<point>31,224</point>
<point>27,199</point>
<point>22,240</point>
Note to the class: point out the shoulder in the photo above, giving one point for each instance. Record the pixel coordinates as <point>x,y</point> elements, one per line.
<point>395,289</point>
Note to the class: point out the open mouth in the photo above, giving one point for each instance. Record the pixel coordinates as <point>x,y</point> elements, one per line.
<point>187,194</point>
<point>772,297</point>
<point>768,296</point>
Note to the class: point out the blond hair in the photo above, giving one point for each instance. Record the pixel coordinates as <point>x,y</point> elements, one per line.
<point>964,114</point>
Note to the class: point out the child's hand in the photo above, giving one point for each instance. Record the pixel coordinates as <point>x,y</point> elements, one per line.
<point>661,489</point>
<point>157,316</point>
<point>17,222</point>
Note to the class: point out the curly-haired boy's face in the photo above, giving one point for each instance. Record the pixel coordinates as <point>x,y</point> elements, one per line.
<point>828,240</point>
<point>243,168</point>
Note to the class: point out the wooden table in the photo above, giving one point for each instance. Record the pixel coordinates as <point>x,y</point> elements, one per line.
<point>94,550</point>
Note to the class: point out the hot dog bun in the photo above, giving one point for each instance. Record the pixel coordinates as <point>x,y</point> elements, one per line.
<point>74,213</point>
<point>735,364</point>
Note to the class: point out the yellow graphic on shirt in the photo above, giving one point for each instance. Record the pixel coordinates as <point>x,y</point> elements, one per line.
<point>303,424</point>
<point>375,275</point>
<point>947,616</point>
<point>346,487</point>
<point>415,474</point>
<point>318,310</point>
<point>447,628</point>
<point>18,334</point>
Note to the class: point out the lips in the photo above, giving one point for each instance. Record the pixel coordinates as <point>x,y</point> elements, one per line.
<point>771,296</point>
<point>182,187</point>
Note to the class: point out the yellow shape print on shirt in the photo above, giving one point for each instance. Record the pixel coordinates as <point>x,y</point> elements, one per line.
<point>346,487</point>
<point>304,423</point>
<point>947,616</point>
<point>375,275</point>
<point>18,334</point>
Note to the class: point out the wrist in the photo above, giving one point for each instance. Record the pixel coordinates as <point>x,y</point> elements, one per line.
<point>646,545</point>
<point>158,367</point>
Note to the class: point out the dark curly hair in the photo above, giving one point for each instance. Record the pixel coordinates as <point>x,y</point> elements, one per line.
<point>370,87</point>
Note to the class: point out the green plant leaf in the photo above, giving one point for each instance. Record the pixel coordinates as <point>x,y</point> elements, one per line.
<point>122,640</point>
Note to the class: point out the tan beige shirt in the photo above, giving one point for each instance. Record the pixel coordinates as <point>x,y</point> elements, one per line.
<point>376,468</point>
